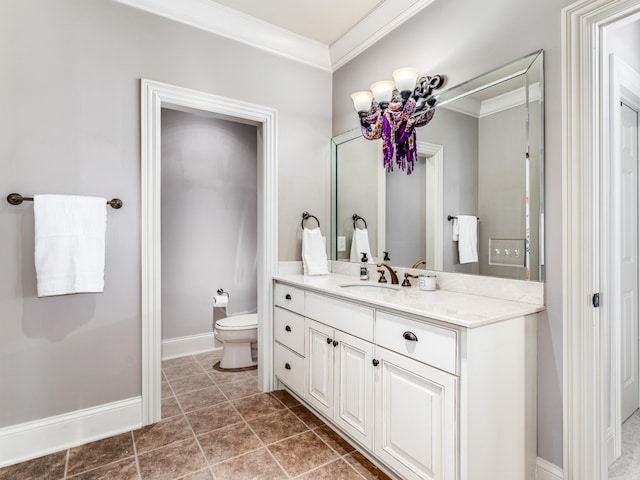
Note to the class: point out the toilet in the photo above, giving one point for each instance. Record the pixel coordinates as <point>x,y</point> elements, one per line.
<point>238,335</point>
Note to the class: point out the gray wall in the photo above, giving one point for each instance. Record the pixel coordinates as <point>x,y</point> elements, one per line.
<point>356,191</point>
<point>501,184</point>
<point>70,123</point>
<point>209,219</point>
<point>463,39</point>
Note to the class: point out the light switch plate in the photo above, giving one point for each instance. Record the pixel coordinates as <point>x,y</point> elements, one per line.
<point>508,252</point>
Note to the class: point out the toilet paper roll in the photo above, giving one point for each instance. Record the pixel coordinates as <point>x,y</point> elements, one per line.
<point>220,300</point>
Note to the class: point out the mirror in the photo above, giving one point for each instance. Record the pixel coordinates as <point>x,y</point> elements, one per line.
<point>482,155</point>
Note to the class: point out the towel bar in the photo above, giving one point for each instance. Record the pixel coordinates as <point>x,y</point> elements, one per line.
<point>451,217</point>
<point>17,199</point>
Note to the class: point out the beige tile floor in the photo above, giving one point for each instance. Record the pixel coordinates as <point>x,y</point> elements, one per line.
<point>215,425</point>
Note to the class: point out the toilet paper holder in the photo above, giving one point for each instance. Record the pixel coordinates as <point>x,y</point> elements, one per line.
<point>217,301</point>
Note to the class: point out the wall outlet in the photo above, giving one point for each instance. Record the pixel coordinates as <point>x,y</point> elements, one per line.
<point>342,244</point>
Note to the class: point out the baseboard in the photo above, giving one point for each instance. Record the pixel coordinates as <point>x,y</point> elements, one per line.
<point>181,346</point>
<point>53,434</point>
<point>547,471</point>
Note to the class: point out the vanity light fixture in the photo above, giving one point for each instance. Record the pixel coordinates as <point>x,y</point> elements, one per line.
<point>392,110</point>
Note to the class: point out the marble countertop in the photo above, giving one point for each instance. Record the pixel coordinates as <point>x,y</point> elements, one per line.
<point>460,309</point>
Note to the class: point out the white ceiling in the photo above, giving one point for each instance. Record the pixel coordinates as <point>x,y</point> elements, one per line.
<point>325,34</point>
<point>324,21</point>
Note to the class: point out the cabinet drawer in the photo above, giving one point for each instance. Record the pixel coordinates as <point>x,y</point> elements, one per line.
<point>291,298</point>
<point>288,329</point>
<point>289,368</point>
<point>434,345</point>
<point>348,317</point>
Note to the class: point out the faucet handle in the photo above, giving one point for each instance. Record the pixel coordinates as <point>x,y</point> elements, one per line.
<point>382,278</point>
<point>406,282</point>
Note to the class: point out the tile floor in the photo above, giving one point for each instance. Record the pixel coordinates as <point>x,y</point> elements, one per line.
<point>627,467</point>
<point>215,425</point>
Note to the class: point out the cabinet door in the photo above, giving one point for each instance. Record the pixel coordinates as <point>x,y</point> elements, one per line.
<point>415,415</point>
<point>354,387</point>
<point>319,366</point>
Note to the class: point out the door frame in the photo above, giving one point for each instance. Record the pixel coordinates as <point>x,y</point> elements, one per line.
<point>585,169</point>
<point>155,96</point>
<point>434,154</point>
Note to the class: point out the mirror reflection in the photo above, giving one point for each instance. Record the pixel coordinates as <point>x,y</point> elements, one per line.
<point>481,158</point>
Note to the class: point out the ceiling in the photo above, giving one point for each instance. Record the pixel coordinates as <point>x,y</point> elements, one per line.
<point>324,21</point>
<point>325,34</point>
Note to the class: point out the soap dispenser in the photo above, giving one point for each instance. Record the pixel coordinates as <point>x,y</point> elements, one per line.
<point>364,271</point>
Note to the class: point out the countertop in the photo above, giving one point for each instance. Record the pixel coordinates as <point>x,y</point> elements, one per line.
<point>460,309</point>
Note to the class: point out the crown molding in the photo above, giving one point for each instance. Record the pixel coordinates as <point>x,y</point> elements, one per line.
<point>224,21</point>
<point>227,22</point>
<point>380,22</point>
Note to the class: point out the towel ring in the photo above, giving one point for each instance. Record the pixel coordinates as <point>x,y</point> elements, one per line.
<point>307,216</point>
<point>357,217</point>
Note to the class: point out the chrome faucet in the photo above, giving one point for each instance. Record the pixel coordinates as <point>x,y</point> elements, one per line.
<point>392,273</point>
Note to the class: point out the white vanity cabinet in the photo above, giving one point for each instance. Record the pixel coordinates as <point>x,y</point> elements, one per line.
<point>340,383</point>
<point>439,387</point>
<point>288,333</point>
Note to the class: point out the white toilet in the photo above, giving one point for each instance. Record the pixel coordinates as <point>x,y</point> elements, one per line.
<point>238,334</point>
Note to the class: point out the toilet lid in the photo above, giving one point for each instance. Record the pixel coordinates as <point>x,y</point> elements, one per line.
<point>238,322</point>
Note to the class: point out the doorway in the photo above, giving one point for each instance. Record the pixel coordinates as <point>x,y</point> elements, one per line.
<point>154,97</point>
<point>589,284</point>
<point>623,311</point>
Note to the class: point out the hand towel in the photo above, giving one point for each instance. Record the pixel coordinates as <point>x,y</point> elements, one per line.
<point>69,243</point>
<point>314,256</point>
<point>360,244</point>
<point>465,232</point>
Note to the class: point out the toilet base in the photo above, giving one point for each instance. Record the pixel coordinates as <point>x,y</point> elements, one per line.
<point>236,355</point>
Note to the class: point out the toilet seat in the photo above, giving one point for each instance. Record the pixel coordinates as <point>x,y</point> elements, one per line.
<point>238,322</point>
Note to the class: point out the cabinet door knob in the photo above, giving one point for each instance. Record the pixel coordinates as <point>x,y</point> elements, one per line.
<point>287,328</point>
<point>375,362</point>
<point>410,336</point>
<point>329,340</point>
<point>335,343</point>
<point>287,366</point>
<point>287,296</point>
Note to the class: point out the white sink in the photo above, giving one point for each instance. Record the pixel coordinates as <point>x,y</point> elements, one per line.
<point>366,286</point>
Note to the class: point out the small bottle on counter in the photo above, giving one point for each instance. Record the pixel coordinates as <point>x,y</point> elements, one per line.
<point>364,271</point>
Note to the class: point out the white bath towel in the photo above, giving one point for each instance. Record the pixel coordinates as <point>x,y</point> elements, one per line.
<point>465,232</point>
<point>360,244</point>
<point>69,243</point>
<point>314,256</point>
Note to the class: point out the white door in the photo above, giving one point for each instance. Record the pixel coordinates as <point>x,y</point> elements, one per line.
<point>415,412</point>
<point>319,366</point>
<point>354,387</point>
<point>628,138</point>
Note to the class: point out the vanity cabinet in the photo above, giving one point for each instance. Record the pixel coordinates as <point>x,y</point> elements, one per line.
<point>415,412</point>
<point>428,398</point>
<point>288,333</point>
<point>340,383</point>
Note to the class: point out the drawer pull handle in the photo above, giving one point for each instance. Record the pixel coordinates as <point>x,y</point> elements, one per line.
<point>410,336</point>
<point>287,366</point>
<point>335,343</point>
<point>287,328</point>
<point>287,296</point>
<point>375,362</point>
<point>329,340</point>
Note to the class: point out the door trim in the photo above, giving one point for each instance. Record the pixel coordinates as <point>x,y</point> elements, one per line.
<point>435,154</point>
<point>155,96</point>
<point>585,136</point>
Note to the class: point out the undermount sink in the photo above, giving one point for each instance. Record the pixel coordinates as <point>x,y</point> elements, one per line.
<point>370,286</point>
